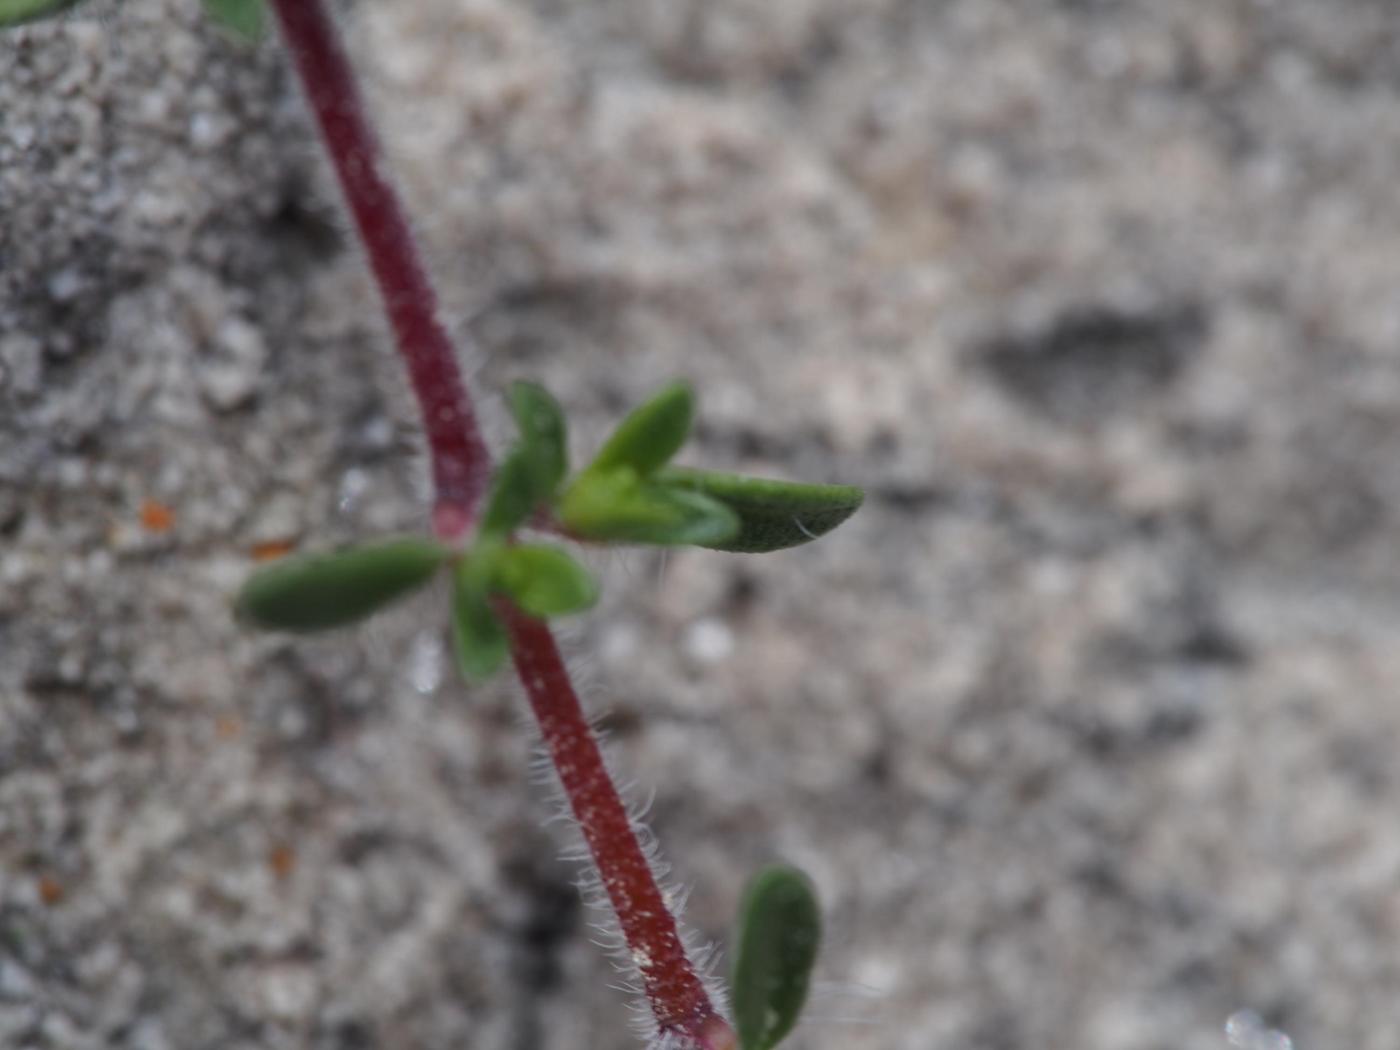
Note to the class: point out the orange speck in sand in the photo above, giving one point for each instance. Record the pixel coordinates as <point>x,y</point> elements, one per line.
<point>228,727</point>
<point>156,517</point>
<point>282,859</point>
<point>271,549</point>
<point>50,890</point>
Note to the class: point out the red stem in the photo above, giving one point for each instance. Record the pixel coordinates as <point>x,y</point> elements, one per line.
<point>460,461</point>
<point>461,472</point>
<point>676,993</point>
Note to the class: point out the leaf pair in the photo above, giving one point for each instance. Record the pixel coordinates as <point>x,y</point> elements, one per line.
<point>320,592</point>
<point>779,931</point>
<point>630,494</point>
<point>542,581</point>
<point>617,497</point>
<point>614,498</point>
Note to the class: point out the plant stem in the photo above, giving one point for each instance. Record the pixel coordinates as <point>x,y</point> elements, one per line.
<point>677,995</point>
<point>461,472</point>
<point>461,464</point>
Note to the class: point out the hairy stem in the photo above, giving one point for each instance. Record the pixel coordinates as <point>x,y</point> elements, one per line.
<point>461,471</point>
<point>461,464</point>
<point>676,993</point>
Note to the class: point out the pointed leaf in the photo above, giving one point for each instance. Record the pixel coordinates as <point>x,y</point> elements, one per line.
<point>772,514</point>
<point>654,432</point>
<point>515,493</point>
<point>522,483</point>
<point>619,507</point>
<point>779,933</point>
<point>544,581</point>
<point>543,434</point>
<point>320,591</point>
<point>531,472</point>
<point>479,640</point>
<point>14,12</point>
<point>244,17</point>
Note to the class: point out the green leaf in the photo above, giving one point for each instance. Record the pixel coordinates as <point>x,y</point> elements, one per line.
<point>617,506</point>
<point>316,592</point>
<point>531,472</point>
<point>778,936</point>
<point>543,434</point>
<point>772,514</point>
<point>244,17</point>
<point>654,432</point>
<point>544,581</point>
<point>515,493</point>
<point>15,12</point>
<point>479,639</point>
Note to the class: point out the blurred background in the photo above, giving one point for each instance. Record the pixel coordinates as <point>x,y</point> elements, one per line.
<point>1084,726</point>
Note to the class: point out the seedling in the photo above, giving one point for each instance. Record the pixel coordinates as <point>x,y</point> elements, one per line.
<point>504,587</point>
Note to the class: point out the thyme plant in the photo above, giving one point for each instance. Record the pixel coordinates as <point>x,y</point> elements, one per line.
<point>507,583</point>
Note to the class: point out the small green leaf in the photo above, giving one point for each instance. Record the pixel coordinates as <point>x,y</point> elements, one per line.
<point>772,514</point>
<point>617,506</point>
<point>244,17</point>
<point>543,434</point>
<point>544,581</point>
<point>650,435</point>
<point>778,936</point>
<point>515,493</point>
<point>319,591</point>
<point>15,12</point>
<point>479,639</point>
<point>531,472</point>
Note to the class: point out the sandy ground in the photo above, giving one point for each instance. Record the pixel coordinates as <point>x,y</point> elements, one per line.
<point>1084,727</point>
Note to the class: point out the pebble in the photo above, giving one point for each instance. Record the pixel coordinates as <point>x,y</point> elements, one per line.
<point>708,641</point>
<point>230,373</point>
